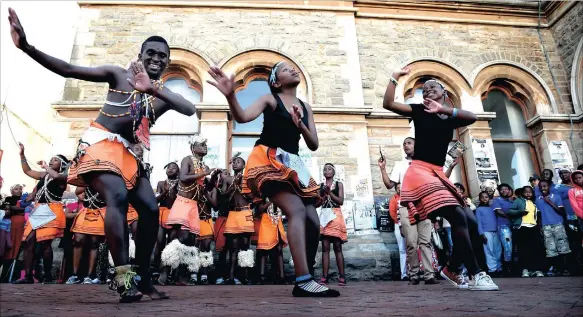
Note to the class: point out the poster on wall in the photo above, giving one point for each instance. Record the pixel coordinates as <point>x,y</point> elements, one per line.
<point>348,214</point>
<point>211,159</point>
<point>455,151</point>
<point>365,219</point>
<point>560,157</point>
<point>485,160</point>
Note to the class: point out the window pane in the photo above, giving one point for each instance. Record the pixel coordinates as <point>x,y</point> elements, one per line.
<point>243,145</point>
<point>173,121</point>
<point>246,96</point>
<point>417,97</point>
<point>515,164</point>
<point>163,150</point>
<point>509,122</point>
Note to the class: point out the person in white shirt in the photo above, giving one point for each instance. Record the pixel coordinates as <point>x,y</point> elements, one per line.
<point>417,236</point>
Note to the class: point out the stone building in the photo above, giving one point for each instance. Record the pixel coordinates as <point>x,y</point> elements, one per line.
<point>517,64</point>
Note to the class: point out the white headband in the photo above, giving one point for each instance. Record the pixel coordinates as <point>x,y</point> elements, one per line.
<point>273,73</point>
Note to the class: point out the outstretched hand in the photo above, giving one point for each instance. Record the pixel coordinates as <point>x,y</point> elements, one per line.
<point>16,30</point>
<point>296,115</point>
<point>21,146</point>
<point>403,71</point>
<point>141,81</point>
<point>432,106</point>
<point>382,163</point>
<point>224,83</point>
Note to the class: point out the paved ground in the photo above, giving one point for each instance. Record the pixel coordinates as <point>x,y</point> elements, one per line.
<point>554,297</point>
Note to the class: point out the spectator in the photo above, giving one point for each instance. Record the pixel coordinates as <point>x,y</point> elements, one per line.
<point>462,190</point>
<point>501,205</point>
<point>394,212</point>
<point>533,180</point>
<point>488,230</point>
<point>555,236</point>
<point>576,196</point>
<point>523,215</point>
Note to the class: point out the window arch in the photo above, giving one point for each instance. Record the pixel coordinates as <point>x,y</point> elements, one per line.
<point>511,138</point>
<point>414,95</point>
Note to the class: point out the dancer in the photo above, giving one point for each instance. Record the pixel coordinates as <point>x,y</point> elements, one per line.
<point>184,215</point>
<point>276,171</point>
<point>166,192</point>
<point>14,207</point>
<point>47,221</point>
<point>271,241</point>
<point>88,227</point>
<point>239,225</point>
<point>206,200</point>
<point>103,159</point>
<point>219,230</point>
<point>426,191</point>
<point>334,232</point>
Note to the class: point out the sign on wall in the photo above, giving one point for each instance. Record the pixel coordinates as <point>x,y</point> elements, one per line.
<point>485,160</point>
<point>560,157</point>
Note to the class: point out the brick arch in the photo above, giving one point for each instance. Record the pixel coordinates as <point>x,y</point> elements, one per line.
<point>487,59</point>
<point>452,63</point>
<point>242,63</point>
<point>538,98</point>
<point>190,65</point>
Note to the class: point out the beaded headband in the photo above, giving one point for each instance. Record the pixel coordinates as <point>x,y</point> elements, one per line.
<point>436,81</point>
<point>15,185</point>
<point>197,139</point>
<point>272,76</point>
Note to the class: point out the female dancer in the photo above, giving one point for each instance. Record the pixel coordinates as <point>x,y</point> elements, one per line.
<point>426,191</point>
<point>334,231</point>
<point>49,191</point>
<point>166,193</point>
<point>88,227</point>
<point>275,170</point>
<point>271,239</point>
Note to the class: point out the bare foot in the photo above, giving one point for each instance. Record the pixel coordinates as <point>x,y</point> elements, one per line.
<point>148,289</point>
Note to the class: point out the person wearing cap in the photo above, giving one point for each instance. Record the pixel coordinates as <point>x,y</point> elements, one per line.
<point>533,180</point>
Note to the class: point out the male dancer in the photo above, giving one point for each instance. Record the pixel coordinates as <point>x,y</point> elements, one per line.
<point>206,200</point>
<point>103,160</point>
<point>239,225</point>
<point>166,192</point>
<point>184,215</point>
<point>220,239</point>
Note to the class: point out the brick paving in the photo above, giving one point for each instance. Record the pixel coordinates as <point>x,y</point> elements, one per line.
<point>556,297</point>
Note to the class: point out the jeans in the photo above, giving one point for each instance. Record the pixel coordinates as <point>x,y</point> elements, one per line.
<point>402,251</point>
<point>505,235</point>
<point>449,240</point>
<point>493,251</point>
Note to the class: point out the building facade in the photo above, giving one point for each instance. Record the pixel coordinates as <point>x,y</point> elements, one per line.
<point>518,66</point>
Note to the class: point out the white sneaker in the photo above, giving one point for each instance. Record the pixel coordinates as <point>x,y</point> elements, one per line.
<point>96,281</point>
<point>73,280</point>
<point>482,282</point>
<point>87,280</point>
<point>525,273</point>
<point>539,274</point>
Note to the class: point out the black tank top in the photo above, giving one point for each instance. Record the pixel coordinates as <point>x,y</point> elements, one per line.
<point>329,203</point>
<point>55,192</point>
<point>279,130</point>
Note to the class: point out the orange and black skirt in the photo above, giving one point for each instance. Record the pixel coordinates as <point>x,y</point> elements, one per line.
<point>132,215</point>
<point>264,173</point>
<point>90,221</point>
<point>270,234</point>
<point>207,231</point>
<point>240,221</point>
<point>335,228</point>
<point>105,156</point>
<point>163,217</point>
<point>425,189</point>
<point>220,240</point>
<point>52,230</point>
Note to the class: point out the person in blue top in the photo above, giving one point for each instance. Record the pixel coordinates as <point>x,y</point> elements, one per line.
<point>548,175</point>
<point>555,237</point>
<point>488,230</point>
<point>533,180</point>
<point>501,205</point>
<point>571,223</point>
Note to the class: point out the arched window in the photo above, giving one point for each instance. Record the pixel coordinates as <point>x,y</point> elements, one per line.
<point>512,145</point>
<point>244,136</point>
<point>171,132</point>
<point>415,96</point>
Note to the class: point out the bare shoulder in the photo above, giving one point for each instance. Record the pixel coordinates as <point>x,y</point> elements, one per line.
<point>269,100</point>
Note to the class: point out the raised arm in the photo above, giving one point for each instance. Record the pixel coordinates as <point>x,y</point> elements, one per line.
<point>389,102</point>
<point>226,85</point>
<point>451,167</point>
<point>52,173</point>
<point>26,168</point>
<point>383,166</point>
<point>55,65</point>
<point>309,133</point>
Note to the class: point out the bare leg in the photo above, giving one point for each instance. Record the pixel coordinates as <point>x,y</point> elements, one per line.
<point>95,241</point>
<point>245,241</point>
<point>312,236</point>
<point>134,229</point>
<point>160,244</point>
<point>339,257</point>
<point>48,260</point>
<point>234,255</point>
<point>29,257</point>
<point>325,257</point>
<point>78,244</point>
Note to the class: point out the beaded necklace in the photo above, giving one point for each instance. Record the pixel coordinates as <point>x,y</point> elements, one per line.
<point>92,201</point>
<point>44,191</point>
<point>198,165</point>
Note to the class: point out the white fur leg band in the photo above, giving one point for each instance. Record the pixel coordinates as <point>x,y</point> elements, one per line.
<point>132,253</point>
<point>190,257</point>
<point>172,254</point>
<point>246,258</point>
<point>206,259</point>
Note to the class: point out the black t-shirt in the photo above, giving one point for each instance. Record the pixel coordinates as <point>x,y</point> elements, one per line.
<point>432,135</point>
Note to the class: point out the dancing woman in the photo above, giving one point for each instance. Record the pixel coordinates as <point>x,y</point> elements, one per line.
<point>426,191</point>
<point>334,232</point>
<point>274,169</point>
<point>49,191</point>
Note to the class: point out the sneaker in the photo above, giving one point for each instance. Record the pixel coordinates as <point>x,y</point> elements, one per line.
<point>314,290</point>
<point>525,273</point>
<point>96,281</point>
<point>482,282</point>
<point>87,281</point>
<point>566,273</point>
<point>414,281</point>
<point>220,281</point>
<point>24,280</point>
<point>323,281</point>
<point>456,280</point>
<point>431,281</point>
<point>236,281</point>
<point>538,274</point>
<point>73,280</point>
